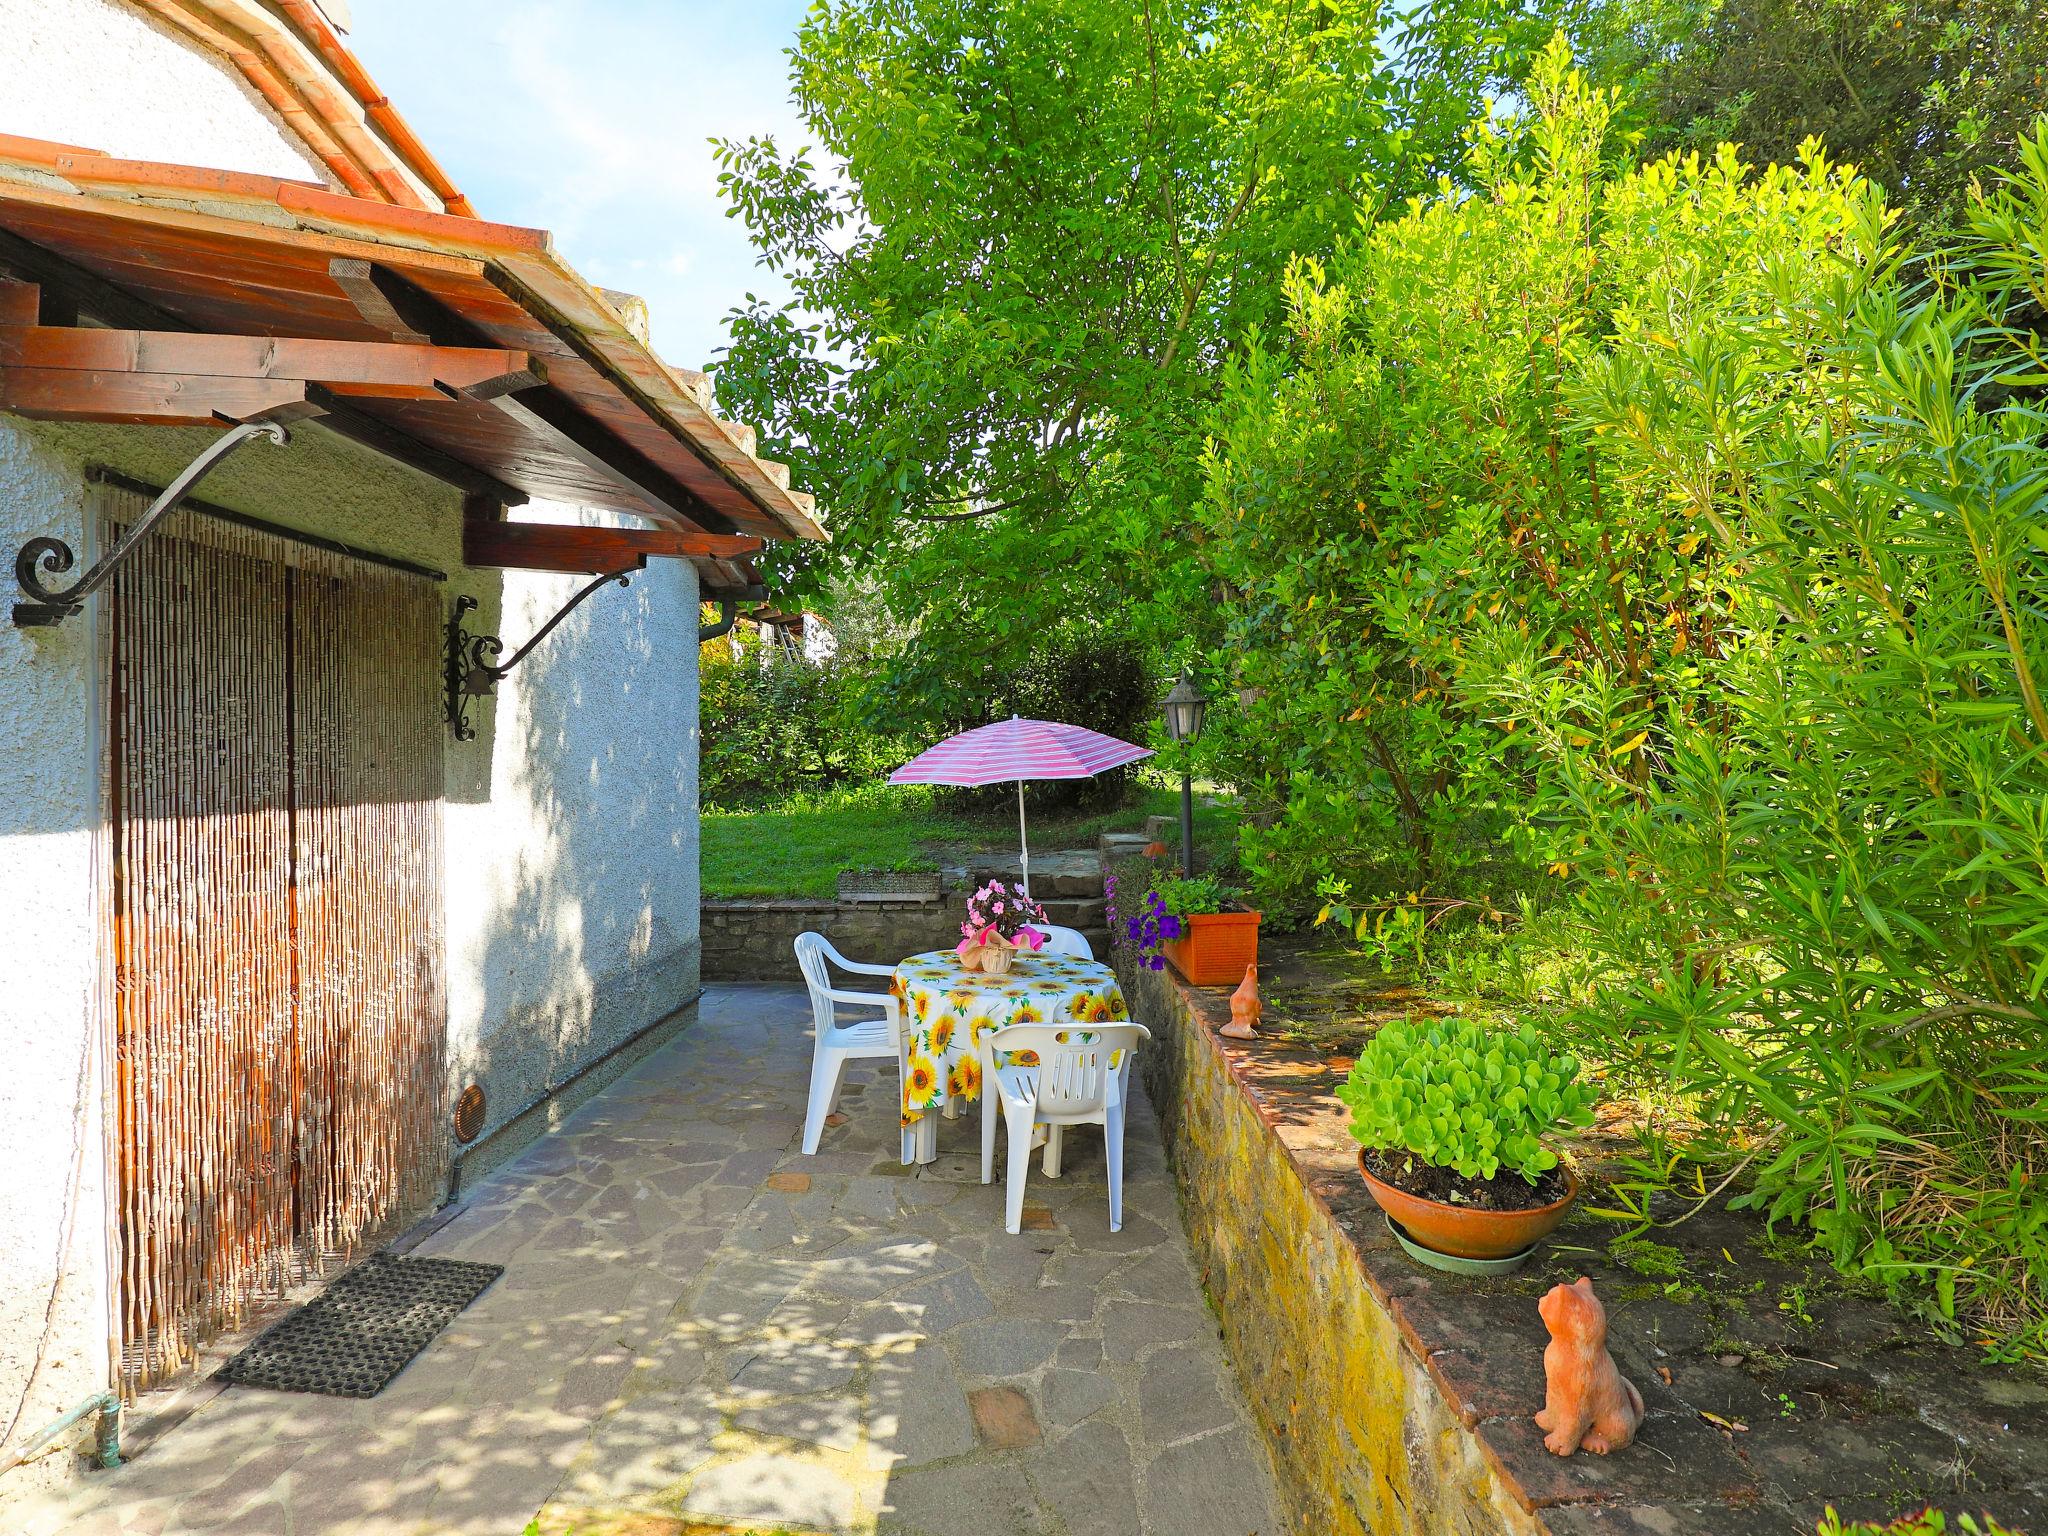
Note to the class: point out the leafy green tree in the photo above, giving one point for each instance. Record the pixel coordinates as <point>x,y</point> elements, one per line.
<point>1032,241</point>
<point>1922,96</point>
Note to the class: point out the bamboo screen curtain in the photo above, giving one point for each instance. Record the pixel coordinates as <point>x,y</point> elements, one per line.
<point>273,865</point>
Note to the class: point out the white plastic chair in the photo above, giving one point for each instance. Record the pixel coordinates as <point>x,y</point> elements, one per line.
<point>838,1043</point>
<point>1074,1083</point>
<point>1058,941</point>
<point>1065,941</point>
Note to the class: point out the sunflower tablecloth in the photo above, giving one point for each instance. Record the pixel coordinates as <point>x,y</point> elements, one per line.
<point>947,1011</point>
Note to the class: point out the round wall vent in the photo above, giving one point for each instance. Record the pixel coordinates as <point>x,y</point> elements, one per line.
<point>469,1113</point>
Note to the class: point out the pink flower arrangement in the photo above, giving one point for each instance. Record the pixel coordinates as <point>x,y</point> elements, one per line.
<point>1005,912</point>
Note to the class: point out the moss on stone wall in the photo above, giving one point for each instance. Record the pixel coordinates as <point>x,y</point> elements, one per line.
<point>1364,1442</point>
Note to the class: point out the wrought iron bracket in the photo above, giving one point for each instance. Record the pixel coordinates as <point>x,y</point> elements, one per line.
<point>53,557</point>
<point>470,669</point>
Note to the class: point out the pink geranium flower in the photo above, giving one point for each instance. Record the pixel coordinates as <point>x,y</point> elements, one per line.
<point>993,907</point>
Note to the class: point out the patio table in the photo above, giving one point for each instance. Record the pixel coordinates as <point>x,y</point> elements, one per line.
<point>948,1011</point>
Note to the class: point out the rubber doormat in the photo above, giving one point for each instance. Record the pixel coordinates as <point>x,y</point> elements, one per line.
<point>363,1329</point>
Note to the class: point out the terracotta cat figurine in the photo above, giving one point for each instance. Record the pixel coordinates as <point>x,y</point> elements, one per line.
<point>1588,1402</point>
<point>1245,1008</point>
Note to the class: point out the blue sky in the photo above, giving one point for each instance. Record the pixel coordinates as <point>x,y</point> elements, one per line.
<point>590,118</point>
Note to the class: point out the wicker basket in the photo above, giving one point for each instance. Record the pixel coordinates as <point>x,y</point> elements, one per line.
<point>992,958</point>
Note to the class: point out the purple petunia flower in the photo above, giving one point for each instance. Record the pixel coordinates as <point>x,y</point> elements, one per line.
<point>1151,929</point>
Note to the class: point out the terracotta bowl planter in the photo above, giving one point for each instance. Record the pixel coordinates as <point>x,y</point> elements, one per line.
<point>1216,949</point>
<point>1466,1233</point>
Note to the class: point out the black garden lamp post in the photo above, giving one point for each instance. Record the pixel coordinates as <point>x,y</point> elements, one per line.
<point>1183,708</point>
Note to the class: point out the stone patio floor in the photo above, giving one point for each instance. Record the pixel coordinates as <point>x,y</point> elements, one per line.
<point>700,1328</point>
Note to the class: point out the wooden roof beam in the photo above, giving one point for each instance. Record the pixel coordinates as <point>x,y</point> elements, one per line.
<point>20,303</point>
<point>388,370</point>
<point>72,290</point>
<point>541,409</point>
<point>583,439</point>
<point>357,281</point>
<point>559,547</point>
<point>150,399</point>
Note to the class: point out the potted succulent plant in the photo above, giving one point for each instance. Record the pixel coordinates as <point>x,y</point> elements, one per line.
<point>1208,934</point>
<point>1450,1119</point>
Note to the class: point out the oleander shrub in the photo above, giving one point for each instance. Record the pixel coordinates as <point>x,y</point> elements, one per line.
<point>1814,855</point>
<point>1681,520</point>
<point>1928,1522</point>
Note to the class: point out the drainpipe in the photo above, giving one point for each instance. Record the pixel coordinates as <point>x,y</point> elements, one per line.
<point>728,600</point>
<point>106,1434</point>
<point>728,615</point>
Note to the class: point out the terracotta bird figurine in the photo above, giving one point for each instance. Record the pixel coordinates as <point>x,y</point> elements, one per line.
<point>1588,1403</point>
<point>1245,1008</point>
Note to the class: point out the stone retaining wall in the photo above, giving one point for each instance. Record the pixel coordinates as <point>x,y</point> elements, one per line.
<point>1365,1441</point>
<point>750,940</point>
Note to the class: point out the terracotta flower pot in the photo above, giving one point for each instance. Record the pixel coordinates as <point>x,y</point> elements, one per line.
<point>1216,948</point>
<point>1466,1233</point>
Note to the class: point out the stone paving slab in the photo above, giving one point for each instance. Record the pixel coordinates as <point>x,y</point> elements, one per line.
<point>701,1329</point>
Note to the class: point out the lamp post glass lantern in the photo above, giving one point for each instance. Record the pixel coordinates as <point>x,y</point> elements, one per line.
<point>1183,708</point>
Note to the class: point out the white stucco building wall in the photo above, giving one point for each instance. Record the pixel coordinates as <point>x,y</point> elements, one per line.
<point>571,821</point>
<point>106,76</point>
<point>53,1199</point>
<point>572,875</point>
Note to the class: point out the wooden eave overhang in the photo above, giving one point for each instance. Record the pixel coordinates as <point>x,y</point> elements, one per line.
<point>183,248</point>
<point>592,551</point>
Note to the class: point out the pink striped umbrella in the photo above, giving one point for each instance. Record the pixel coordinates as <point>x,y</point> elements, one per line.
<point>1018,749</point>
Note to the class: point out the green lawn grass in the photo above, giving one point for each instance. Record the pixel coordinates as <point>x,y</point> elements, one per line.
<point>799,850</point>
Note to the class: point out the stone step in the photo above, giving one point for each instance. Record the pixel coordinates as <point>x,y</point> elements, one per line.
<point>1123,845</point>
<point>1074,912</point>
<point>1059,873</point>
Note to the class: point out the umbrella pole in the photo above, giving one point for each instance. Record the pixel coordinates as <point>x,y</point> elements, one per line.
<point>1023,839</point>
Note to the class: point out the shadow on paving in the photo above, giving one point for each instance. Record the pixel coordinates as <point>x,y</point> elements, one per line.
<point>700,1328</point>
